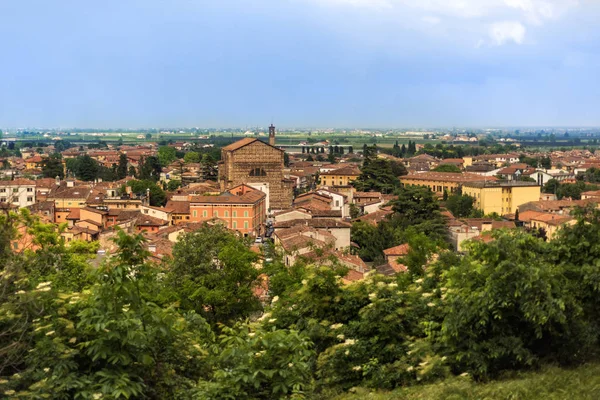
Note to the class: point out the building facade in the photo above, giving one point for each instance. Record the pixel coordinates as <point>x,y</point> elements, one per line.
<point>501,197</point>
<point>242,209</point>
<point>251,161</point>
<point>18,193</point>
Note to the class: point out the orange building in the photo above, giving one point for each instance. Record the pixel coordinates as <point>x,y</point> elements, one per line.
<point>242,208</point>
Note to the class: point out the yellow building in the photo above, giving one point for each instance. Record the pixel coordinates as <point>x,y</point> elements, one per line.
<point>340,177</point>
<point>440,182</point>
<point>501,197</point>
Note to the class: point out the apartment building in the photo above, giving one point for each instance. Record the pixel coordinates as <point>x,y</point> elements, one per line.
<point>17,193</point>
<point>501,197</point>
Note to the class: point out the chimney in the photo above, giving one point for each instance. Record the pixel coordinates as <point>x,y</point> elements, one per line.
<point>57,180</point>
<point>147,196</point>
<point>272,135</point>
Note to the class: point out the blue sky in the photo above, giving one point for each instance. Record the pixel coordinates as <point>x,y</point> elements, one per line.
<point>300,63</point>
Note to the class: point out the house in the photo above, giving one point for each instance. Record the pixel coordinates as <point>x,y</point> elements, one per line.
<point>440,182</point>
<point>339,229</point>
<point>18,193</point>
<point>340,177</point>
<point>393,265</point>
<point>501,197</point>
<point>242,208</point>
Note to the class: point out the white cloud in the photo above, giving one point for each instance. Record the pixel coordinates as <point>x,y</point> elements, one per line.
<point>429,19</point>
<point>507,31</point>
<point>502,21</point>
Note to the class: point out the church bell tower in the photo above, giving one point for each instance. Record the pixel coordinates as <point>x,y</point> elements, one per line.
<point>272,135</point>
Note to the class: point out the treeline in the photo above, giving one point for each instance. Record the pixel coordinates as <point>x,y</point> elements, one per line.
<point>191,327</point>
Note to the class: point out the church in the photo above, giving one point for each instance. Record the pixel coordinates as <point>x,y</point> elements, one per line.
<point>257,164</point>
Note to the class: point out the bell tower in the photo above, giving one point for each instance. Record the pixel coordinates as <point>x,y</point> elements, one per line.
<point>272,135</point>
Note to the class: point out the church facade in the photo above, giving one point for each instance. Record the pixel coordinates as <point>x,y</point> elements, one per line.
<point>258,164</point>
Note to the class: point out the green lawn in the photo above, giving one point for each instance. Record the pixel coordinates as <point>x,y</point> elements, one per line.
<point>551,383</point>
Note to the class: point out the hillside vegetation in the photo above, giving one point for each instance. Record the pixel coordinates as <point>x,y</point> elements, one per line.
<point>552,383</point>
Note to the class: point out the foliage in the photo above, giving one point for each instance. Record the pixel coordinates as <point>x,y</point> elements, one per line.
<point>121,171</point>
<point>149,169</point>
<point>53,167</point>
<point>460,205</point>
<point>504,303</point>
<point>213,273</point>
<point>157,195</point>
<point>550,383</point>
<point>260,364</point>
<point>447,168</point>
<point>376,175</point>
<point>173,185</point>
<point>166,155</point>
<point>83,167</point>
<point>191,157</point>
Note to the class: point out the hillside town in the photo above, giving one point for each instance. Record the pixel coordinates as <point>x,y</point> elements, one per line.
<point>306,207</point>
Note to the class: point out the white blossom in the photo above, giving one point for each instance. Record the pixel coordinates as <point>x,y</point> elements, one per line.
<point>410,369</point>
<point>340,337</point>
<point>50,333</point>
<point>275,299</point>
<point>430,304</point>
<point>356,368</point>
<point>252,334</point>
<point>336,326</point>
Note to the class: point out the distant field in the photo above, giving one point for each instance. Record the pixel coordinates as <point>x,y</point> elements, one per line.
<point>552,383</point>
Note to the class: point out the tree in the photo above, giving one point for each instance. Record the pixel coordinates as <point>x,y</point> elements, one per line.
<point>447,168</point>
<point>122,167</point>
<point>157,195</point>
<point>460,205</point>
<point>398,168</point>
<point>191,157</point>
<point>149,168</point>
<point>213,274</point>
<point>86,168</point>
<point>148,136</point>
<point>53,167</point>
<point>286,159</point>
<point>166,155</point>
<point>173,185</point>
<point>546,162</point>
<point>331,158</point>
<point>551,186</point>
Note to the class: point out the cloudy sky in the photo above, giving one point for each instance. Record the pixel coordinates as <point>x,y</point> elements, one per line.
<point>309,63</point>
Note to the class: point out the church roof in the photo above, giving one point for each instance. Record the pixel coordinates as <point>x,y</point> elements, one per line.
<point>245,142</point>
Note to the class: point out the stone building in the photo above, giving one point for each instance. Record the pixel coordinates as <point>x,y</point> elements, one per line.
<point>257,164</point>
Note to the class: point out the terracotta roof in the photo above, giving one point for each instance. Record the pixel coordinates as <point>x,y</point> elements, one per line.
<point>400,250</point>
<point>74,214</point>
<point>89,221</point>
<point>458,177</point>
<point>374,217</point>
<point>18,182</point>
<point>350,171</point>
<point>316,223</point>
<point>244,142</point>
<point>146,220</point>
<point>178,207</point>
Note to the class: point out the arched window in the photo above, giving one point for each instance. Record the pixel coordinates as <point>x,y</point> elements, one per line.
<point>258,172</point>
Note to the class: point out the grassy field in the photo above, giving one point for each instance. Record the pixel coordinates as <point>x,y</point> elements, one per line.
<point>551,383</point>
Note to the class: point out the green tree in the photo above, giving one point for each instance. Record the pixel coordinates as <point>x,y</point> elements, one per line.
<point>173,185</point>
<point>53,167</point>
<point>86,168</point>
<point>166,155</point>
<point>191,157</point>
<point>460,205</point>
<point>213,273</point>
<point>447,168</point>
<point>122,167</point>
<point>148,136</point>
<point>376,175</point>
<point>158,197</point>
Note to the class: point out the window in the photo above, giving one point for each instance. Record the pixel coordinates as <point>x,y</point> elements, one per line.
<point>246,225</point>
<point>69,203</point>
<point>2,190</point>
<point>245,214</point>
<point>204,213</point>
<point>195,213</point>
<point>234,224</point>
<point>258,172</point>
<point>29,198</point>
<point>235,214</point>
<point>337,203</point>
<point>30,189</point>
<point>15,190</point>
<point>215,213</point>
<point>226,213</point>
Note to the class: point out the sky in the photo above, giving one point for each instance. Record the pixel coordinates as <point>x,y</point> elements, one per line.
<point>299,63</point>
